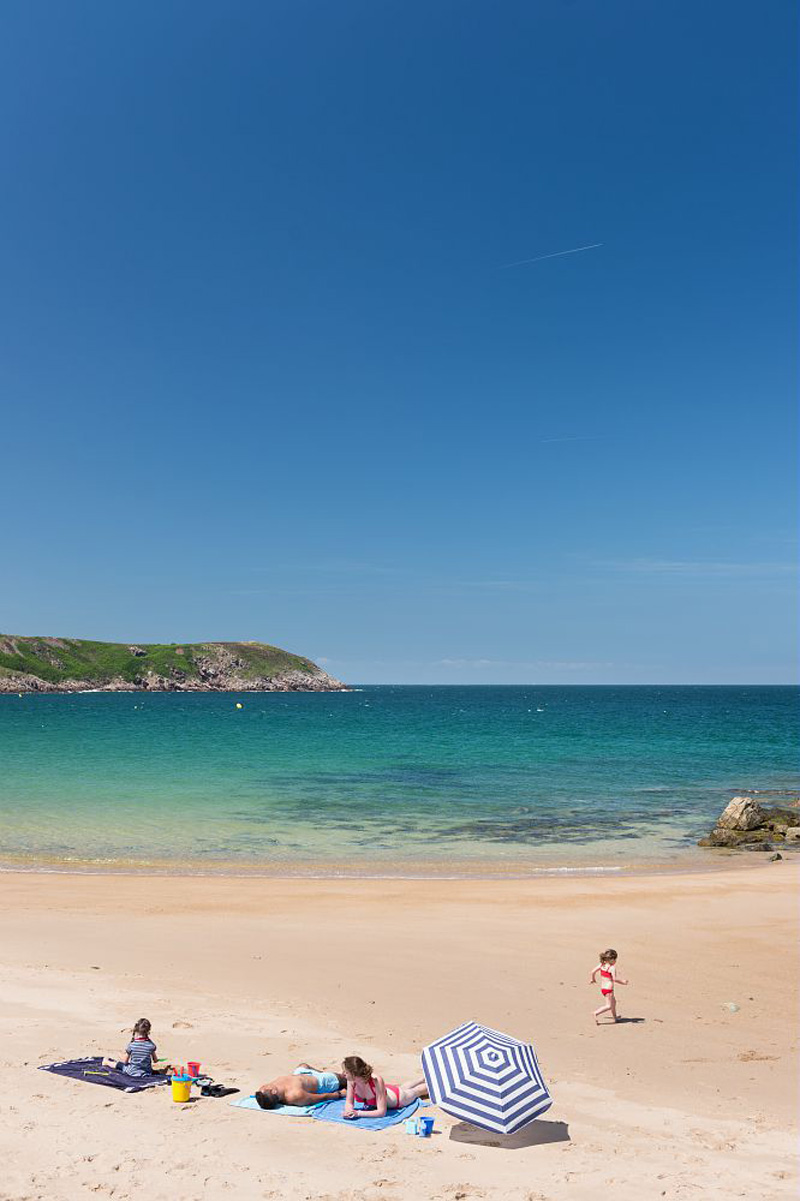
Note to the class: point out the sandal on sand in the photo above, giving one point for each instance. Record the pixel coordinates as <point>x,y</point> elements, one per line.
<point>216,1090</point>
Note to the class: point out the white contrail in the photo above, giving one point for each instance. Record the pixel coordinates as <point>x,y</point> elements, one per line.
<point>574,438</point>
<point>557,255</point>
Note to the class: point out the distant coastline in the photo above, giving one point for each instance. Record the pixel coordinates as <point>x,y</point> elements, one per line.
<point>47,664</point>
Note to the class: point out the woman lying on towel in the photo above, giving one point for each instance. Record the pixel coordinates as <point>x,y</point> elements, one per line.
<point>373,1092</point>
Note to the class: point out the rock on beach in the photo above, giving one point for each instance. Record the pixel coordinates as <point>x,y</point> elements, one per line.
<point>742,813</point>
<point>747,825</point>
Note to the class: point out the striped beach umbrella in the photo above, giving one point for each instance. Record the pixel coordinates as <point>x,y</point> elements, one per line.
<point>486,1078</point>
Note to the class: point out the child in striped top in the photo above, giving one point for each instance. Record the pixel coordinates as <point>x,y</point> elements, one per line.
<point>139,1053</point>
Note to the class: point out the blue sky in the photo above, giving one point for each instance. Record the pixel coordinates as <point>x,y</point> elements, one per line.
<point>266,375</point>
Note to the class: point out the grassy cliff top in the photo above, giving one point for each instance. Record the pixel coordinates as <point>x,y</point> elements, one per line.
<point>60,659</point>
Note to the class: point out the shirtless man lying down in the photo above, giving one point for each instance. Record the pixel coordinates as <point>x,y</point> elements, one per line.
<point>305,1086</point>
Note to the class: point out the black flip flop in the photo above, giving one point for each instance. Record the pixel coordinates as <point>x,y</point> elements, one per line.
<point>217,1090</point>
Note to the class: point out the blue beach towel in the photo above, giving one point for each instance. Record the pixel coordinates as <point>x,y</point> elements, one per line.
<point>91,1069</point>
<point>291,1111</point>
<point>332,1111</point>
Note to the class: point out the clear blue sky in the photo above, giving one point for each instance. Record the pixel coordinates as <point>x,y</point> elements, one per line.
<point>265,374</point>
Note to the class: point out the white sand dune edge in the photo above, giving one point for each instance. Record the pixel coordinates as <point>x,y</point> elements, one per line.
<point>250,976</point>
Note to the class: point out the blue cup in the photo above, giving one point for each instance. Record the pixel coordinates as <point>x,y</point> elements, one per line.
<point>424,1127</point>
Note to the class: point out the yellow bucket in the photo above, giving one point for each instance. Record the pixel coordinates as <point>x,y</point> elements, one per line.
<point>181,1089</point>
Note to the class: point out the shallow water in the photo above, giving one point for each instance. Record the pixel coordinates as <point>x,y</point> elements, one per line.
<point>519,778</point>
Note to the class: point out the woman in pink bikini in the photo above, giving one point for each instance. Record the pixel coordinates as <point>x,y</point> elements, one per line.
<point>607,968</point>
<point>373,1091</point>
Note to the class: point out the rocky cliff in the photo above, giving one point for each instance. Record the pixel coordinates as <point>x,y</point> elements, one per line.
<point>76,665</point>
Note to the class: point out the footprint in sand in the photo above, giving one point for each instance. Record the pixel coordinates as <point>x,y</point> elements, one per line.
<point>182,1026</point>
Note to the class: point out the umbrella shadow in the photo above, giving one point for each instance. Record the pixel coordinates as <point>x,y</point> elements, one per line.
<point>535,1135</point>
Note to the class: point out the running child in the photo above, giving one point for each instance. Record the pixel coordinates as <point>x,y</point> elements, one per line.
<point>607,969</point>
<point>373,1091</point>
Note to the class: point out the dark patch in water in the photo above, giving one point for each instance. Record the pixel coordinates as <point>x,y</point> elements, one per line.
<point>384,829</point>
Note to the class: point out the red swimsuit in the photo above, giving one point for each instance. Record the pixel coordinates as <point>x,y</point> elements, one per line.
<point>606,974</point>
<point>372,1102</point>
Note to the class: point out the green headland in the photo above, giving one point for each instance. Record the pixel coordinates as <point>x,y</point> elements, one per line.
<point>46,664</point>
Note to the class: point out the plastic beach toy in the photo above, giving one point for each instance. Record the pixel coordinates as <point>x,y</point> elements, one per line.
<point>425,1127</point>
<point>181,1088</point>
<point>411,1125</point>
<point>193,1069</point>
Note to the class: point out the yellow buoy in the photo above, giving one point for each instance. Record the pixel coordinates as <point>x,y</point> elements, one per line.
<point>239,705</point>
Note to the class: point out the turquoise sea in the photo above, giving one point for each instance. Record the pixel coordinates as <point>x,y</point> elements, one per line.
<point>385,780</point>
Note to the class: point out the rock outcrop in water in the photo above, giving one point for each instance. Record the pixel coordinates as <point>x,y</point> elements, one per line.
<point>75,665</point>
<point>745,824</point>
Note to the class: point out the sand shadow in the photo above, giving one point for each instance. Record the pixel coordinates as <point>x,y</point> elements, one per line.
<point>628,1021</point>
<point>535,1135</point>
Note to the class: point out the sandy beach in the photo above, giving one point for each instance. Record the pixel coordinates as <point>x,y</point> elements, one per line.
<point>253,976</point>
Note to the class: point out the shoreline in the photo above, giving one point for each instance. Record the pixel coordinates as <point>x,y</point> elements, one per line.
<point>724,860</point>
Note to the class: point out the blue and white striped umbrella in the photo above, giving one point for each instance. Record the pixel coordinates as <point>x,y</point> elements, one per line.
<point>486,1078</point>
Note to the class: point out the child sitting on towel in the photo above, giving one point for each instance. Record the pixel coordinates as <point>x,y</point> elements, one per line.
<point>373,1091</point>
<point>139,1053</point>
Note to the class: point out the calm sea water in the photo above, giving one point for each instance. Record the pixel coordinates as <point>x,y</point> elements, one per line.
<point>397,780</point>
